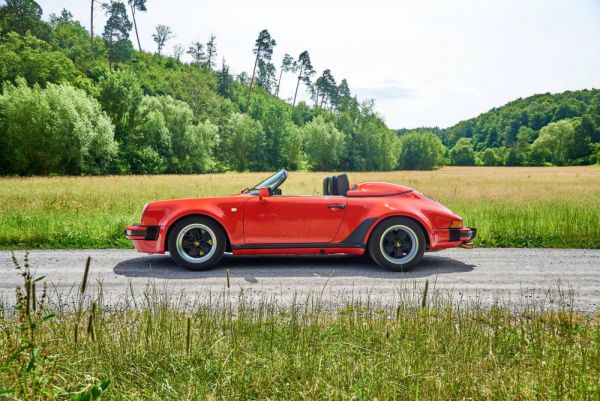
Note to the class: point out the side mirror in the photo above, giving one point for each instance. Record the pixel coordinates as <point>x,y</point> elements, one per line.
<point>263,193</point>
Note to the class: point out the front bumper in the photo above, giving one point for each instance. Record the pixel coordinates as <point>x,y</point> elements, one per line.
<point>147,239</point>
<point>137,231</point>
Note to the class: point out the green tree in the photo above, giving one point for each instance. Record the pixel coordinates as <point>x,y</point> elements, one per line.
<point>36,61</point>
<point>120,96</point>
<point>56,130</point>
<point>263,49</point>
<point>116,33</point>
<point>325,90</point>
<point>162,34</point>
<point>489,157</point>
<point>292,156</point>
<point>274,117</point>
<point>462,154</point>
<point>302,114</point>
<point>211,52</point>
<point>421,151</point>
<point>166,139</point>
<point>225,81</point>
<point>287,65</point>
<point>137,5</point>
<point>514,157</point>
<point>23,16</point>
<point>323,145</point>
<point>305,71</point>
<point>241,142</point>
<point>196,50</point>
<point>555,143</point>
<point>266,75</point>
<point>71,38</point>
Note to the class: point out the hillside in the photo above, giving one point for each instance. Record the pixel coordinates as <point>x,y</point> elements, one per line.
<point>74,103</point>
<point>509,131</point>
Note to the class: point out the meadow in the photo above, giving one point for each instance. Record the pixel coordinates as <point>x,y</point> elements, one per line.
<point>511,207</point>
<point>225,347</point>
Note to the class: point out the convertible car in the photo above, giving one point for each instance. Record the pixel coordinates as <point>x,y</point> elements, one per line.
<point>394,224</point>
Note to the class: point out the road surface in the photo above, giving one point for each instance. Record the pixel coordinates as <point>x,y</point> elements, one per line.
<point>568,277</point>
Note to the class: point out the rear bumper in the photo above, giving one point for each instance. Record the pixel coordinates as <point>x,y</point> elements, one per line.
<point>451,237</point>
<point>145,238</point>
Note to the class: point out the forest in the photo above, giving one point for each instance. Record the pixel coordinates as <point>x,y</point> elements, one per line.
<point>78,102</point>
<point>546,129</point>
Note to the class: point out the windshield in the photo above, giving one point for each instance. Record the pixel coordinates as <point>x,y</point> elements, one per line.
<point>273,182</point>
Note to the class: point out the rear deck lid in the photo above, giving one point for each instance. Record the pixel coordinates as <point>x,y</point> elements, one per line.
<point>366,189</point>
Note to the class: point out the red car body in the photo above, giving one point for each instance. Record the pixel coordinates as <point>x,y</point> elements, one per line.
<point>256,222</point>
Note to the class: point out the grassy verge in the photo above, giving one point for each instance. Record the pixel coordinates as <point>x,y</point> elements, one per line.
<point>511,207</point>
<point>227,349</point>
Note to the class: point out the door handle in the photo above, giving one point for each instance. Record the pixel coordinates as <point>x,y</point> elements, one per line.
<point>336,206</point>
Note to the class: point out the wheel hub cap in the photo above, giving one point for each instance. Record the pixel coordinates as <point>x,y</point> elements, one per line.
<point>399,244</point>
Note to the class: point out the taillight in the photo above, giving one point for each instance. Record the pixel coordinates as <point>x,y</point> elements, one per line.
<point>456,224</point>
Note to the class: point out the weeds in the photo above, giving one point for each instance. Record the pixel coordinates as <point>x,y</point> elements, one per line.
<point>231,347</point>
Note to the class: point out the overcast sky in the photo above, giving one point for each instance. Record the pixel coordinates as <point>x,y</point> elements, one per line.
<point>426,63</point>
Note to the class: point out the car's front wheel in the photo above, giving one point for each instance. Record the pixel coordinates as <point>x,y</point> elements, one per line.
<point>196,243</point>
<point>397,244</point>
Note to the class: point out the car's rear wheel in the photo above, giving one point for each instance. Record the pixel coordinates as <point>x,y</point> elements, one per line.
<point>196,243</point>
<point>397,244</point>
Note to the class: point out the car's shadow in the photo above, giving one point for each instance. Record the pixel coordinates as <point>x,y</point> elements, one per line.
<point>161,266</point>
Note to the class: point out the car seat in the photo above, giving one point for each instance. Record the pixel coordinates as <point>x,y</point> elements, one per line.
<point>336,185</point>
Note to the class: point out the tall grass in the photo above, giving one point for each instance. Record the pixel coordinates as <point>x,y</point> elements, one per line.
<point>425,347</point>
<point>520,207</point>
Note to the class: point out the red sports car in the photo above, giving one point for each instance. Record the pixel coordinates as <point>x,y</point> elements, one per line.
<point>393,223</point>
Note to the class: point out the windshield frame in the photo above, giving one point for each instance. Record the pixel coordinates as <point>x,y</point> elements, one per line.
<point>273,182</point>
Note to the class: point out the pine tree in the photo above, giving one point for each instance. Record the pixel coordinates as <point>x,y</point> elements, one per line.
<point>225,81</point>
<point>196,50</point>
<point>116,33</point>
<point>211,52</point>
<point>263,49</point>
<point>137,5</point>
<point>305,71</point>
<point>287,65</point>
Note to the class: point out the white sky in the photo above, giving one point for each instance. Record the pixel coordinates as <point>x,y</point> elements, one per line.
<point>426,63</point>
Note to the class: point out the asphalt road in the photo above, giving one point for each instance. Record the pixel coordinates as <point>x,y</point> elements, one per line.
<point>473,277</point>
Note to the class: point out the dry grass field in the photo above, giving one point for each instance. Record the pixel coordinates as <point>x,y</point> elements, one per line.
<point>520,207</point>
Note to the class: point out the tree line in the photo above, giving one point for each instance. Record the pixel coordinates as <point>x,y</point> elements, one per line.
<point>547,129</point>
<point>75,102</point>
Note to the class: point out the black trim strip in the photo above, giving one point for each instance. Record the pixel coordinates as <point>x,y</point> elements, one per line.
<point>152,233</point>
<point>302,245</point>
<point>357,236</point>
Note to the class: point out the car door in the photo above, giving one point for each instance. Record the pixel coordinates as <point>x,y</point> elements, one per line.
<point>293,219</point>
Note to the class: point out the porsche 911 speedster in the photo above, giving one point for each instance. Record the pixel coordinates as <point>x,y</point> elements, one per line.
<point>394,224</point>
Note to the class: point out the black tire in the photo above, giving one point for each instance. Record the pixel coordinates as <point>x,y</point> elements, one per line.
<point>400,233</point>
<point>201,243</point>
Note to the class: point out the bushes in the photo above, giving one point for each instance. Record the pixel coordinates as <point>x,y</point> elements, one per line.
<point>323,145</point>
<point>242,143</point>
<point>165,139</point>
<point>421,151</point>
<point>57,130</point>
<point>462,153</point>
